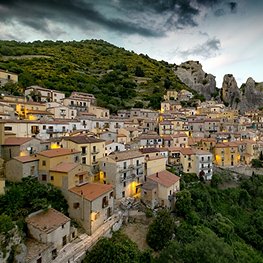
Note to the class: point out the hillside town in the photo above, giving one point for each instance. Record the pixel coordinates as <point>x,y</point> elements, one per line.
<point>103,162</point>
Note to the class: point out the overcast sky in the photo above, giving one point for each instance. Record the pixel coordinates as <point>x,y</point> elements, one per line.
<point>226,36</point>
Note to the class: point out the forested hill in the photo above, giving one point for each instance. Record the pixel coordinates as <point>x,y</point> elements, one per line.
<point>117,77</point>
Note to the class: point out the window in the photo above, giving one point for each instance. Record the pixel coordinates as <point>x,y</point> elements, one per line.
<point>94,149</point>
<point>123,194</point>
<point>64,241</point>
<point>105,202</point>
<point>44,177</point>
<point>39,260</point>
<point>137,162</point>
<point>202,158</point>
<point>83,160</point>
<point>8,128</point>
<point>111,194</point>
<point>44,127</point>
<point>52,178</point>
<point>84,150</point>
<point>124,184</point>
<point>63,225</point>
<point>43,163</point>
<point>76,205</point>
<point>76,159</point>
<point>124,165</point>
<point>124,175</point>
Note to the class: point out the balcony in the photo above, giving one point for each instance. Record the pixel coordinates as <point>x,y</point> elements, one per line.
<point>127,178</point>
<point>95,151</point>
<point>105,204</point>
<point>49,131</point>
<point>137,166</point>
<point>94,162</point>
<point>131,166</point>
<point>140,174</point>
<point>122,169</point>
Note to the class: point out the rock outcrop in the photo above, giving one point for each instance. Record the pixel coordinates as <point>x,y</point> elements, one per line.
<point>230,93</point>
<point>191,73</point>
<point>249,96</point>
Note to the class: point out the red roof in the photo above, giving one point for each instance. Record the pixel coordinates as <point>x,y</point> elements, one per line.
<point>91,191</point>
<point>64,167</point>
<point>58,152</point>
<point>26,159</point>
<point>47,221</point>
<point>15,141</point>
<point>164,178</point>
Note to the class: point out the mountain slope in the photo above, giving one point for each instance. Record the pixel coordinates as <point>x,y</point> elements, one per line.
<point>118,78</point>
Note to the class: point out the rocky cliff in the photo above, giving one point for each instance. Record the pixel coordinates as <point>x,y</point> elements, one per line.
<point>249,96</point>
<point>191,73</point>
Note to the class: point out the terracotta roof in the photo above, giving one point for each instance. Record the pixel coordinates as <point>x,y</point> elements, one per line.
<point>26,159</point>
<point>186,151</point>
<point>64,167</point>
<point>15,141</point>
<point>226,145</point>
<point>43,112</point>
<point>202,152</point>
<point>121,156</point>
<point>149,185</point>
<point>149,150</point>
<point>91,191</point>
<point>47,221</point>
<point>58,152</point>
<point>164,178</point>
<point>121,135</point>
<point>83,139</point>
<point>34,248</point>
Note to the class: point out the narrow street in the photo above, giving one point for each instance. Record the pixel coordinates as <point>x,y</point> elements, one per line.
<point>74,251</point>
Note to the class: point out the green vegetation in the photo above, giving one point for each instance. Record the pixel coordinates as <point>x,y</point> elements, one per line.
<point>161,230</point>
<point>118,249</point>
<point>26,197</point>
<point>92,66</point>
<point>209,224</point>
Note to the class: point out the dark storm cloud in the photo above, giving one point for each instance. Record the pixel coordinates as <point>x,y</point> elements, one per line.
<point>233,7</point>
<point>206,50</point>
<point>125,16</point>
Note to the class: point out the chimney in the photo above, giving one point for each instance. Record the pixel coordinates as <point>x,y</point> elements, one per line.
<point>157,175</point>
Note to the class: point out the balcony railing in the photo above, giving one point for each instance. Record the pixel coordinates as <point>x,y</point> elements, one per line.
<point>95,162</point>
<point>95,151</point>
<point>138,165</point>
<point>127,178</point>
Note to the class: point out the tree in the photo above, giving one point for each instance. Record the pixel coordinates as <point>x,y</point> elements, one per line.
<point>161,230</point>
<point>216,180</point>
<point>6,224</point>
<point>35,95</point>
<point>118,249</point>
<point>183,203</point>
<point>139,72</point>
<point>256,163</point>
<point>206,247</point>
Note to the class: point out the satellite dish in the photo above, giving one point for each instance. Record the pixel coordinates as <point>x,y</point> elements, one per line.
<point>28,148</point>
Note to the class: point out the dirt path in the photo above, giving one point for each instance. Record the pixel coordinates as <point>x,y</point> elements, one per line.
<point>137,233</point>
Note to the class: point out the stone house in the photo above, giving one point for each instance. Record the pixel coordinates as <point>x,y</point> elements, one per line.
<point>51,158</point>
<point>19,146</point>
<point>160,189</point>
<point>50,227</point>
<point>123,170</point>
<point>91,205</point>
<point>21,167</point>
